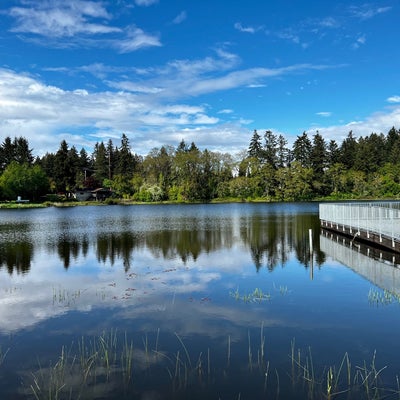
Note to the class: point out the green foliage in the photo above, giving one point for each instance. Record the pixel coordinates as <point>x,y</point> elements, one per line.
<point>121,185</point>
<point>29,182</point>
<point>295,183</point>
<point>365,167</point>
<point>153,193</point>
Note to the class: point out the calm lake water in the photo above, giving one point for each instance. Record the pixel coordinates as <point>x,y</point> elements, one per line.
<point>193,301</point>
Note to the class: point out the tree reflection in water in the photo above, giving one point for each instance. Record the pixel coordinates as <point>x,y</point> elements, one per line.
<point>270,239</point>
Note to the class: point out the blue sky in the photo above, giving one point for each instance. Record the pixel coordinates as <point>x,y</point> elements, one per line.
<point>205,71</point>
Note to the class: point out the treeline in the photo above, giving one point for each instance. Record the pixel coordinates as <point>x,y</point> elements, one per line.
<point>364,167</point>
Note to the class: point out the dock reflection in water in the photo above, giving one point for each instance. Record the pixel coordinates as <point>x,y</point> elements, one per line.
<point>379,266</point>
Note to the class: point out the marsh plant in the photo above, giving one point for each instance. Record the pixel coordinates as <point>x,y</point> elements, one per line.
<point>110,366</point>
<point>257,295</point>
<point>343,381</point>
<point>3,355</point>
<point>65,297</point>
<point>385,297</point>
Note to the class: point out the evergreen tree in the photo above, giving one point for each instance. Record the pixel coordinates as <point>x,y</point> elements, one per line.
<point>270,150</point>
<point>302,150</point>
<point>48,162</point>
<point>393,146</point>
<point>126,160</point>
<point>84,169</point>
<point>15,150</point>
<point>22,152</point>
<point>193,147</point>
<point>392,137</point>
<point>370,153</point>
<point>84,160</point>
<point>255,147</point>
<point>182,147</point>
<point>73,167</point>
<point>333,153</point>
<point>348,150</point>
<point>7,153</point>
<point>394,154</point>
<point>283,154</point>
<point>100,163</point>
<point>318,156</point>
<point>318,160</point>
<point>61,168</point>
<point>111,158</point>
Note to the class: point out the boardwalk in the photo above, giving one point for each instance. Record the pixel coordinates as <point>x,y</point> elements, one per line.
<point>375,222</point>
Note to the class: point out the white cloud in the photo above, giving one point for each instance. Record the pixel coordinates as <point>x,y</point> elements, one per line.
<point>136,39</point>
<point>241,28</point>
<point>203,119</point>
<point>134,87</point>
<point>61,19</point>
<point>367,11</point>
<point>288,34</point>
<point>180,18</point>
<point>191,80</point>
<point>324,113</point>
<point>83,23</point>
<point>393,99</point>
<point>148,105</point>
<point>379,122</point>
<point>361,40</point>
<point>145,3</point>
<point>46,114</point>
<point>328,22</point>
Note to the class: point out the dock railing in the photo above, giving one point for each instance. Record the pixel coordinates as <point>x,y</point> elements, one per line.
<point>381,218</point>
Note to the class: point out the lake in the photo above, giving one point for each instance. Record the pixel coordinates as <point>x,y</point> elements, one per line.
<point>216,301</point>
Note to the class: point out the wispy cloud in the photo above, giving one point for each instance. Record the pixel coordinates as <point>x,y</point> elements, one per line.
<point>334,28</point>
<point>247,29</point>
<point>147,104</point>
<point>379,122</point>
<point>180,18</point>
<point>324,114</point>
<point>145,3</point>
<point>61,19</point>
<point>393,99</point>
<point>75,23</point>
<point>328,22</point>
<point>184,78</point>
<point>361,40</point>
<point>136,39</point>
<point>367,11</point>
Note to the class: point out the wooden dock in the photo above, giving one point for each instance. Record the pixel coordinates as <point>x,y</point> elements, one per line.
<point>375,222</point>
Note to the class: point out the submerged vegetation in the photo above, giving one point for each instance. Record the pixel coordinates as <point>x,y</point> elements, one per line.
<point>257,295</point>
<point>112,365</point>
<point>385,297</point>
<point>269,170</point>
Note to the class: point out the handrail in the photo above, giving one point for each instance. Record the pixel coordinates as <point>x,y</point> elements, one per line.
<point>382,218</point>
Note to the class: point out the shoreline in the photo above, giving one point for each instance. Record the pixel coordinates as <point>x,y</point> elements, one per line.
<point>122,202</point>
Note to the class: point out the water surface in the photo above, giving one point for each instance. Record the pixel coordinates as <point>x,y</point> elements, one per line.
<point>190,301</point>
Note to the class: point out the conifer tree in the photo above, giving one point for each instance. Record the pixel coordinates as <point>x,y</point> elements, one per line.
<point>283,154</point>
<point>302,150</point>
<point>270,151</point>
<point>255,147</point>
<point>318,156</point>
<point>348,151</point>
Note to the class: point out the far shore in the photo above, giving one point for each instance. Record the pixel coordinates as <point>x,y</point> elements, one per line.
<point>127,202</point>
